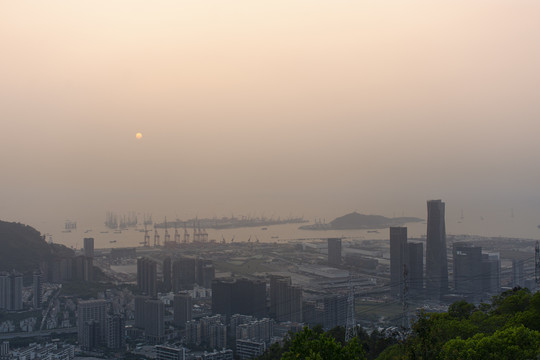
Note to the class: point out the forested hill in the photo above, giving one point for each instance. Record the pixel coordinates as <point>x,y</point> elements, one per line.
<point>355,220</point>
<point>23,248</point>
<point>506,328</point>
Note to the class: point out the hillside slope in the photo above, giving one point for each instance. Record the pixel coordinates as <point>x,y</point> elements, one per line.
<point>24,249</point>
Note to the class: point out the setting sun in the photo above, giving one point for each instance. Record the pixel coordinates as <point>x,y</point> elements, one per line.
<point>138,135</point>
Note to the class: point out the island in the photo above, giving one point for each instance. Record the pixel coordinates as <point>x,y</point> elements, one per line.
<point>356,220</point>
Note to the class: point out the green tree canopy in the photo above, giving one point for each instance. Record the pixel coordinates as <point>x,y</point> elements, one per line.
<point>516,343</point>
<point>310,345</point>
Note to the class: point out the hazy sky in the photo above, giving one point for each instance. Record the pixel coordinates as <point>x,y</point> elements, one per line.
<point>282,107</point>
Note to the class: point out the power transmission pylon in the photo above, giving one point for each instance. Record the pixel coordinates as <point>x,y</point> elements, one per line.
<point>350,331</point>
<point>156,237</point>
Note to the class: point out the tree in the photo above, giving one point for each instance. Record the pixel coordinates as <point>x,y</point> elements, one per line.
<point>393,352</point>
<point>516,343</point>
<point>511,301</point>
<point>461,310</point>
<point>308,345</point>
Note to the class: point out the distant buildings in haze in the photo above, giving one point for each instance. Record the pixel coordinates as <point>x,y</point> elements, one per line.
<point>334,251</point>
<point>239,296</point>
<point>475,274</point>
<point>11,284</point>
<point>285,299</point>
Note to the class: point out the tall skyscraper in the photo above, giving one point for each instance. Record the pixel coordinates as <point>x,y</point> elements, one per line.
<point>312,314</point>
<point>416,268</point>
<point>4,278</point>
<point>154,323</point>
<point>193,332</point>
<point>116,338</point>
<point>518,273</point>
<point>147,276</point>
<point>89,312</point>
<point>16,291</point>
<point>82,268</point>
<point>88,269</point>
<point>90,336</point>
<point>11,285</point>
<point>491,273</point>
<point>205,273</point>
<point>89,247</point>
<point>214,331</point>
<point>436,256</point>
<point>334,251</point>
<point>37,289</point>
<point>167,284</point>
<point>285,299</point>
<point>139,310</point>
<point>183,274</point>
<point>183,308</point>
<point>398,259</point>
<point>467,269</point>
<point>335,311</point>
<point>239,296</point>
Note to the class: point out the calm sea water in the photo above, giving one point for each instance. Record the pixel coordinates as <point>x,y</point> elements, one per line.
<point>505,226</point>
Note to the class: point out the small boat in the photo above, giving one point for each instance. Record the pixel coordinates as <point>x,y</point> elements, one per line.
<point>112,241</point>
<point>264,228</point>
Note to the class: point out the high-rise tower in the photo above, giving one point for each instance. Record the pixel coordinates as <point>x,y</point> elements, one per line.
<point>89,247</point>
<point>183,309</point>
<point>147,276</point>
<point>285,299</point>
<point>518,273</point>
<point>154,323</point>
<point>92,312</point>
<point>335,311</point>
<point>416,268</point>
<point>11,285</point>
<point>398,259</point>
<point>467,269</point>
<point>436,257</point>
<point>183,274</point>
<point>239,296</point>
<point>115,328</point>
<point>167,283</point>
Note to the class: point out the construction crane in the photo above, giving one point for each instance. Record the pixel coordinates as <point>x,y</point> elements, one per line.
<point>176,233</point>
<point>156,237</point>
<point>186,234</point>
<point>166,236</point>
<point>146,236</point>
